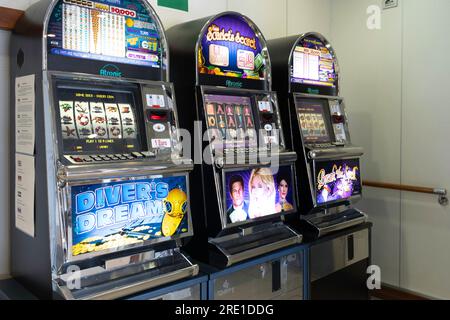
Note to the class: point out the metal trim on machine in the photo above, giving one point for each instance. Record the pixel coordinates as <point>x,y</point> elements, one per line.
<point>331,256</point>
<point>341,226</point>
<point>233,259</point>
<point>74,173</point>
<point>322,154</point>
<point>239,257</point>
<point>124,291</point>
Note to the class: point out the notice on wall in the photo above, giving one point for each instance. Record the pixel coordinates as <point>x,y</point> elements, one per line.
<point>25,122</point>
<point>24,194</point>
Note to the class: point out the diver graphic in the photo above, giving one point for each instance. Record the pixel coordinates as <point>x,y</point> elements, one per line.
<point>175,206</point>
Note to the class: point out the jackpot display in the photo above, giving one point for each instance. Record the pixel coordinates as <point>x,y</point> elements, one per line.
<point>259,192</point>
<point>118,31</point>
<point>313,63</point>
<point>116,215</point>
<point>230,47</point>
<point>337,180</point>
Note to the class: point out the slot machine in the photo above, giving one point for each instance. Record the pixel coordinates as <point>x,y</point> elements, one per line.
<point>244,176</point>
<point>111,205</point>
<point>306,77</point>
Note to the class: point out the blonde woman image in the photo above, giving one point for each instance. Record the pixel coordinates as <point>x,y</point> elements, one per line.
<point>262,193</point>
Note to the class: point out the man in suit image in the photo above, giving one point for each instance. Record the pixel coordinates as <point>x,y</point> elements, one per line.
<point>238,211</point>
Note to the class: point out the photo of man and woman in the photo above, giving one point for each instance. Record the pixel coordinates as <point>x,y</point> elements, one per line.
<point>257,193</point>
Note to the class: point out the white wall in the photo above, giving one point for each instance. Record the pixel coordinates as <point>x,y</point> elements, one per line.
<point>269,15</point>
<point>279,18</point>
<point>396,85</point>
<point>371,62</point>
<point>307,16</point>
<point>425,149</point>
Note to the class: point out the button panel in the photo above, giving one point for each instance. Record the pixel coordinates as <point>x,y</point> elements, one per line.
<point>88,159</point>
<point>323,146</point>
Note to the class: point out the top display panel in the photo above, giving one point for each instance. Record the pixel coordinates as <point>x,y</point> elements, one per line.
<point>230,47</point>
<point>114,31</point>
<point>313,64</point>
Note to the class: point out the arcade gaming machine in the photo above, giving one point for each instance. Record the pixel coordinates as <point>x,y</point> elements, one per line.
<point>245,184</point>
<point>306,74</point>
<point>306,77</point>
<point>111,193</point>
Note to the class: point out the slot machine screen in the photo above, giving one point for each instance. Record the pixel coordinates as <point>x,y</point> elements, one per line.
<point>110,31</point>
<point>98,119</point>
<point>230,120</point>
<point>313,63</point>
<point>313,120</point>
<point>117,215</point>
<point>337,180</point>
<point>256,193</point>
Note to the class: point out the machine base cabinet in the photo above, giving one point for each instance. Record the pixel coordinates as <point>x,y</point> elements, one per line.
<point>193,289</point>
<point>279,276</point>
<point>338,265</point>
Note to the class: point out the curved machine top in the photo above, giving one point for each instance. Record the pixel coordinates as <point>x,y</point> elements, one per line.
<point>313,63</point>
<point>231,44</point>
<point>115,38</point>
<point>226,49</point>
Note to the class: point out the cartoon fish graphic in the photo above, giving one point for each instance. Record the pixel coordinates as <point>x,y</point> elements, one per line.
<point>175,206</point>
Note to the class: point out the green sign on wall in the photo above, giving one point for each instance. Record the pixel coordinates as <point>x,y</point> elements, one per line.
<point>175,4</point>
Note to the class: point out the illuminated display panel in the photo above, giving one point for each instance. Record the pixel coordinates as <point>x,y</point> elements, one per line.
<point>98,120</point>
<point>313,63</point>
<point>313,120</point>
<point>256,193</point>
<point>230,120</point>
<point>230,47</point>
<point>116,31</point>
<point>337,180</point>
<point>113,216</point>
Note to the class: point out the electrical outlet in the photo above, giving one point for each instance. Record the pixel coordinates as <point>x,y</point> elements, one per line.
<point>388,4</point>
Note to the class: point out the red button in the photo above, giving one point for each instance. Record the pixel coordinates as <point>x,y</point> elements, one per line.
<point>157,117</point>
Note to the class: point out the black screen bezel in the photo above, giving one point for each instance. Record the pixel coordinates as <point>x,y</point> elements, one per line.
<point>90,85</point>
<point>334,203</point>
<point>326,115</point>
<point>273,216</point>
<point>247,93</point>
